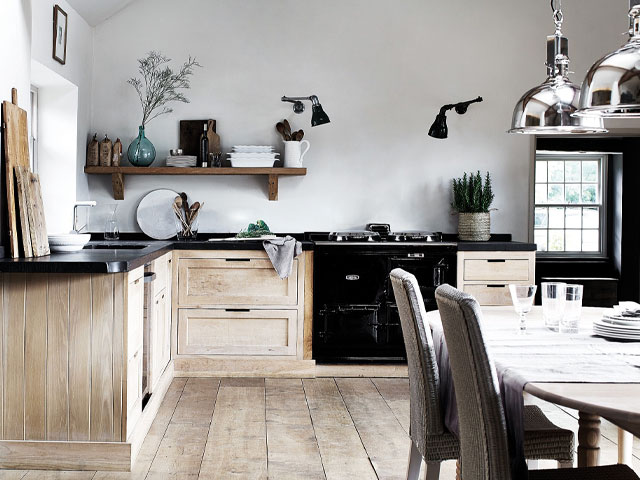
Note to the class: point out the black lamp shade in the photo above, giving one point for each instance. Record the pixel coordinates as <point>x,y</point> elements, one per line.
<point>318,117</point>
<point>439,128</point>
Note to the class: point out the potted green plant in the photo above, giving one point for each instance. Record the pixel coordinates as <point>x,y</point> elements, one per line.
<point>472,199</point>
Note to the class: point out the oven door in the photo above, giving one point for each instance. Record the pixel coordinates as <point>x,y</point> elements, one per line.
<point>430,271</point>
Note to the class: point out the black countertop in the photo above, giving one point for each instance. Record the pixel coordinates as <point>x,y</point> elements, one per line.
<point>113,260</point>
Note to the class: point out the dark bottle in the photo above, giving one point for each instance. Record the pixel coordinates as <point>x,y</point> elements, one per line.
<point>203,158</point>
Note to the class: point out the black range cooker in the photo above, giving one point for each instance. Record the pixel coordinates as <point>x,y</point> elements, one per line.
<point>355,313</point>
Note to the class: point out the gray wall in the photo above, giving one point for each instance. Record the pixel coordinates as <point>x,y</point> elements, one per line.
<point>381,68</point>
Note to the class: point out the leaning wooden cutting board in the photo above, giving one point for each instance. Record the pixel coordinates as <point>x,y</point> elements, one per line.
<point>16,152</point>
<point>190,132</point>
<point>37,224</point>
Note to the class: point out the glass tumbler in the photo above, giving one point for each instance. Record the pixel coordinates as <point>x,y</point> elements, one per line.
<point>554,296</point>
<point>572,309</point>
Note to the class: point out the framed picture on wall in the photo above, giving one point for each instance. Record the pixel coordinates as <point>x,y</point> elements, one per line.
<point>59,35</point>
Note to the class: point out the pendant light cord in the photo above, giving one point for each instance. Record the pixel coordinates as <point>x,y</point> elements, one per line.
<point>558,17</point>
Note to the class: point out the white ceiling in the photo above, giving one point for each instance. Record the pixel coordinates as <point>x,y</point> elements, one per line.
<point>96,11</point>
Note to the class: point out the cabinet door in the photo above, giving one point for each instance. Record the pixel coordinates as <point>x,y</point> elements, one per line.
<point>135,315</point>
<point>158,339</point>
<point>237,332</point>
<point>235,281</point>
<point>134,390</point>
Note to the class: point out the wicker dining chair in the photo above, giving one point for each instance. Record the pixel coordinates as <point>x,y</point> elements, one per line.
<point>483,433</point>
<point>430,440</point>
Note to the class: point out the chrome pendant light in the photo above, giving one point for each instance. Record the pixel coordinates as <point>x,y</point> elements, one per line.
<point>611,88</point>
<point>549,108</point>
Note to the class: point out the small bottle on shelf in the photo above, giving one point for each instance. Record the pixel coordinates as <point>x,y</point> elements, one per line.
<point>203,157</point>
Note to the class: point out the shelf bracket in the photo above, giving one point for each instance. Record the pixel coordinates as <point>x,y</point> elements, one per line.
<point>117,181</point>
<point>273,188</point>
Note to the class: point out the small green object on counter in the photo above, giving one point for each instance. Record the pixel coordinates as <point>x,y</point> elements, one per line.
<point>255,230</point>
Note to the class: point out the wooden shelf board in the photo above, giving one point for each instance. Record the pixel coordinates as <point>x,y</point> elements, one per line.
<point>118,173</point>
<point>194,171</point>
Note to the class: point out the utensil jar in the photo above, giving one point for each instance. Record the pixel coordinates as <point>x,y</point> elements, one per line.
<point>294,154</point>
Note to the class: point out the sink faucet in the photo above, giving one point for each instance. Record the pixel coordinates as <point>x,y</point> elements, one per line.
<point>87,203</point>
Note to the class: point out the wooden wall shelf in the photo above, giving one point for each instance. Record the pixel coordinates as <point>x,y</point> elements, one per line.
<point>118,173</point>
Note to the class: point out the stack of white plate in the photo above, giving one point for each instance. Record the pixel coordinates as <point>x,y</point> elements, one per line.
<point>622,325</point>
<point>182,161</point>
<point>252,156</point>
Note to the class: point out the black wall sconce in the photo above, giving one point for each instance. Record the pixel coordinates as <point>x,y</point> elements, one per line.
<point>318,117</point>
<point>439,128</point>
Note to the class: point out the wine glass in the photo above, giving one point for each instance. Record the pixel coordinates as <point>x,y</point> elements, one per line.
<point>522,297</point>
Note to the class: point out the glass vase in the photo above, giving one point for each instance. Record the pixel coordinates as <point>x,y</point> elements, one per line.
<point>141,152</point>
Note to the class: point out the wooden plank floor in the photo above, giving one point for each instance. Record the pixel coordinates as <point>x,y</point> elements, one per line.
<point>323,428</point>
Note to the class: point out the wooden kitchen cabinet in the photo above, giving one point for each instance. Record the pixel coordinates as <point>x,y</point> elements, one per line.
<point>233,315</point>
<point>159,319</point>
<point>135,330</point>
<point>487,275</point>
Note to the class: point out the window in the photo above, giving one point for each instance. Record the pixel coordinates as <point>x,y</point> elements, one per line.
<point>568,203</point>
<point>33,130</point>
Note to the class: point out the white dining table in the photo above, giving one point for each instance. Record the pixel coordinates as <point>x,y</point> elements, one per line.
<point>615,399</point>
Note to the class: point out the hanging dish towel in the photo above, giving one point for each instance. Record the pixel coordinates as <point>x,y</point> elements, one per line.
<point>281,252</point>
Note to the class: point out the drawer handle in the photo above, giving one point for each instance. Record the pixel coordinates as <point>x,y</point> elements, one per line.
<point>497,260</point>
<point>237,310</point>
<point>496,286</point>
<point>237,259</point>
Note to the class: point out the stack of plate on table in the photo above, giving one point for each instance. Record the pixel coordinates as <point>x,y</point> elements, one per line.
<point>252,156</point>
<point>621,323</point>
<point>182,161</point>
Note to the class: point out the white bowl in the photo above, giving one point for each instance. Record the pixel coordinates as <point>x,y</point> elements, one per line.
<point>252,148</point>
<point>68,242</point>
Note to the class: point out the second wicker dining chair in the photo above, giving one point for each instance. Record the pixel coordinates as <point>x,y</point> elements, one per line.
<point>430,440</point>
<point>483,433</point>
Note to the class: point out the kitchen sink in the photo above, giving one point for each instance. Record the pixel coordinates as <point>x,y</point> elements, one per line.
<point>114,246</point>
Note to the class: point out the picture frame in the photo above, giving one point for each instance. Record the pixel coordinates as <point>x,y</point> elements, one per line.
<point>60,25</point>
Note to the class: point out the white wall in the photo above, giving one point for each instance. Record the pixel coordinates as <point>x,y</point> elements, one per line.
<point>63,179</point>
<point>381,69</point>
<point>15,38</point>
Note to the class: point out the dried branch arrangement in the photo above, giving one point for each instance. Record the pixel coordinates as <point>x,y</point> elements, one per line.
<point>160,84</point>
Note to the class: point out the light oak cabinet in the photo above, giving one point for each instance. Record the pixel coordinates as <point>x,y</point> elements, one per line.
<point>135,331</point>
<point>159,319</point>
<point>233,314</point>
<point>487,275</point>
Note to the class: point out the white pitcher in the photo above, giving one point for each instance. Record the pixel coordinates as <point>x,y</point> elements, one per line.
<point>293,153</point>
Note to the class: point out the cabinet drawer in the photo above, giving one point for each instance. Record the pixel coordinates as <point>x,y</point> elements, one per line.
<point>491,294</point>
<point>134,390</point>
<point>508,270</point>
<point>135,315</point>
<point>237,332</point>
<point>234,281</point>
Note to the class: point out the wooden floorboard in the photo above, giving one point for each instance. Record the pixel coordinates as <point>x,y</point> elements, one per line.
<point>289,429</point>
<point>237,442</point>
<point>343,455</point>
<point>278,429</point>
<point>383,437</point>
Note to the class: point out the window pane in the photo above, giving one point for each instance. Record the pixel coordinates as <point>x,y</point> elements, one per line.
<point>556,240</point>
<point>572,172</point>
<point>556,193</point>
<point>541,171</point>
<point>541,193</point>
<point>574,240</point>
<point>591,217</point>
<point>573,219</point>
<point>556,171</point>
<point>572,193</point>
<point>589,194</point>
<point>540,219</point>
<point>590,241</point>
<point>540,239</point>
<point>590,171</point>
<point>556,217</point>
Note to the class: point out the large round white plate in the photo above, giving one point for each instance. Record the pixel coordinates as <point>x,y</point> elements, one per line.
<point>155,214</point>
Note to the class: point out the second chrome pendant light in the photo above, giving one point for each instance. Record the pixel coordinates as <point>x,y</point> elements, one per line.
<point>550,108</point>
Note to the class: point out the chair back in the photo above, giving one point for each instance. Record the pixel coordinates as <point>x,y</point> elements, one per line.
<point>482,425</point>
<point>424,382</point>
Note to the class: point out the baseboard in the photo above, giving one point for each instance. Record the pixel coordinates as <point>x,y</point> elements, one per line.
<point>38,455</point>
<point>206,366</point>
<point>362,370</point>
